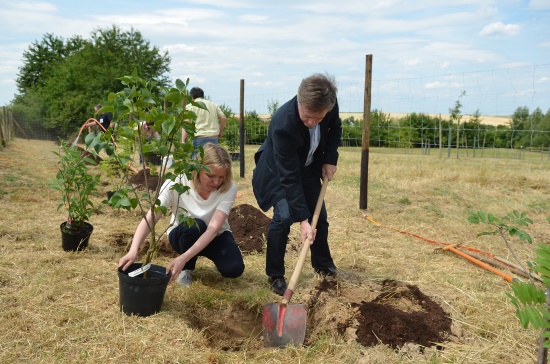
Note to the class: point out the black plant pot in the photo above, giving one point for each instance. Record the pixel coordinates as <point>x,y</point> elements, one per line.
<point>153,159</point>
<point>142,296</point>
<point>75,240</point>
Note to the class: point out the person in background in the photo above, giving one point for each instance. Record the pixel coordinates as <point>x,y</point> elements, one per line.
<point>208,202</point>
<point>300,149</point>
<point>104,119</point>
<point>149,133</point>
<point>209,124</point>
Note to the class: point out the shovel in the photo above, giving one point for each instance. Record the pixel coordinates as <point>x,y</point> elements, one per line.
<point>285,323</point>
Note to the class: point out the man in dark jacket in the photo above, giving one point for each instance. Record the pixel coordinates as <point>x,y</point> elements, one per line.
<point>300,149</point>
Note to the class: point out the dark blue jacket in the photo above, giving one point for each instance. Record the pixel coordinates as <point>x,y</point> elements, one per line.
<point>280,161</point>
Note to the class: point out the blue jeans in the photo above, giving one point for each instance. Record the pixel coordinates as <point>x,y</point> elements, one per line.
<point>277,235</point>
<point>222,250</point>
<point>202,142</point>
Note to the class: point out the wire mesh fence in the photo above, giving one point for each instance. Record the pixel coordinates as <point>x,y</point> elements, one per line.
<point>502,115</point>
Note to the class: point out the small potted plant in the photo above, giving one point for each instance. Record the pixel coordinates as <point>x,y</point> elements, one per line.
<point>141,104</point>
<point>76,186</point>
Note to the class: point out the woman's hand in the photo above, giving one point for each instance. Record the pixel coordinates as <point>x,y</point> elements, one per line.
<point>127,260</point>
<point>176,266</point>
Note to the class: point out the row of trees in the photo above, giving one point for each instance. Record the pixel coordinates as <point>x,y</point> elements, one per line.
<point>62,79</point>
<point>528,130</point>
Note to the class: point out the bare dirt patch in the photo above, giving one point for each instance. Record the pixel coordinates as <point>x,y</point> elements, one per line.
<point>249,226</point>
<point>232,328</point>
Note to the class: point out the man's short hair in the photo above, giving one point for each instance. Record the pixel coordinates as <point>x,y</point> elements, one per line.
<point>196,92</point>
<point>318,92</point>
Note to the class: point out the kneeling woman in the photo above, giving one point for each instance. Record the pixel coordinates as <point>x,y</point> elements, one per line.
<point>208,202</point>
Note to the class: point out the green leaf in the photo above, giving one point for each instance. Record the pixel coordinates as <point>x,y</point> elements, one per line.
<point>180,85</point>
<point>523,317</point>
<point>474,218</point>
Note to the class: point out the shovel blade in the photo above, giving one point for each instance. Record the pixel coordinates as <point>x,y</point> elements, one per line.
<point>284,324</point>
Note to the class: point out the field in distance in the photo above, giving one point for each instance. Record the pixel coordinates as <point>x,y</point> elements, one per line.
<point>486,120</point>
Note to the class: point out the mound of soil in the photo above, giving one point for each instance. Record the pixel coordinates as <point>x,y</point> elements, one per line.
<point>398,315</point>
<point>145,179</point>
<point>401,314</point>
<point>249,226</point>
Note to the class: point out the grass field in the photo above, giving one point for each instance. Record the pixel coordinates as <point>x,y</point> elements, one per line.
<point>60,307</point>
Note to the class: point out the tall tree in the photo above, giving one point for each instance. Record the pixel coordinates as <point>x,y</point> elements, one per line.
<point>42,57</point>
<point>519,118</point>
<point>69,77</point>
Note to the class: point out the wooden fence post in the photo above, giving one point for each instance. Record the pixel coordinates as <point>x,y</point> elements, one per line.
<point>241,130</point>
<point>363,188</point>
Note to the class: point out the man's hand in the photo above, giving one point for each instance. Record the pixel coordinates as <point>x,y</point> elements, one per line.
<point>329,170</point>
<point>306,232</point>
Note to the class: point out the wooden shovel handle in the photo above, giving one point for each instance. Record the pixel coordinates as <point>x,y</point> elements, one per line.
<point>305,246</point>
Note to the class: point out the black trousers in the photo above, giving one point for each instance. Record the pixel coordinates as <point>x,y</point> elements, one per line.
<point>279,229</point>
<point>222,250</point>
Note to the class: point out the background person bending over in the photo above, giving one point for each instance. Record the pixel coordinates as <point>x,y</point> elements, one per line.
<point>104,119</point>
<point>209,203</point>
<point>301,148</point>
<point>209,124</point>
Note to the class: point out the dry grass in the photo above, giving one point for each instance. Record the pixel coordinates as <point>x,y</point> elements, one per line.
<point>63,307</point>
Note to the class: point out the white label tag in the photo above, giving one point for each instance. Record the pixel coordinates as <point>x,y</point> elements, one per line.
<point>143,269</point>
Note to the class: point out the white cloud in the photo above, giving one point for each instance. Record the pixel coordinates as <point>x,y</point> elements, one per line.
<point>434,85</point>
<point>500,29</point>
<point>412,62</point>
<point>253,18</point>
<point>37,6</point>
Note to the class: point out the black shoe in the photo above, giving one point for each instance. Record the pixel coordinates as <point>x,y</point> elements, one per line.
<point>327,272</point>
<point>278,285</point>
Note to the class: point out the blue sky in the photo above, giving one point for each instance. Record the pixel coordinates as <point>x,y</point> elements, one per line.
<point>425,52</point>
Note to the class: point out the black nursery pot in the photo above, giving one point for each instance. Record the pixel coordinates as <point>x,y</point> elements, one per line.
<point>142,296</point>
<point>153,159</point>
<point>75,240</point>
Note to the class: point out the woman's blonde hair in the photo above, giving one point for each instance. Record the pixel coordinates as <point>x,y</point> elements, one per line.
<point>215,156</point>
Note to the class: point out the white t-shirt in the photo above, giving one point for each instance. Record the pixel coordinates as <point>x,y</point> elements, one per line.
<point>195,206</point>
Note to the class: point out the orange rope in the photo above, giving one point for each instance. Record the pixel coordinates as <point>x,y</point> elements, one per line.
<point>437,242</point>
